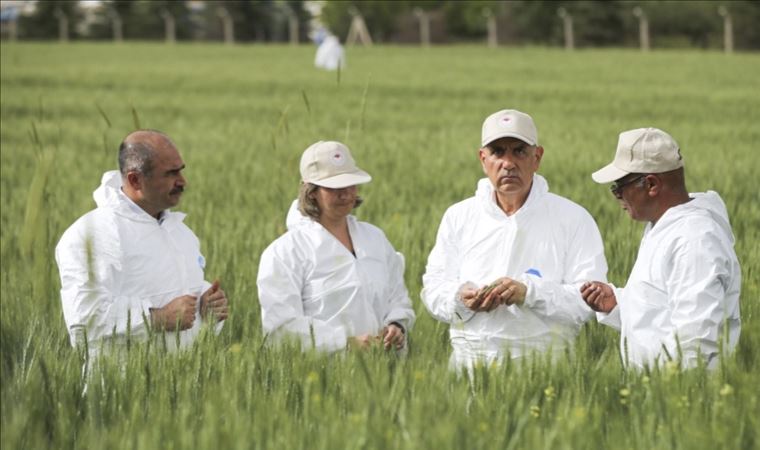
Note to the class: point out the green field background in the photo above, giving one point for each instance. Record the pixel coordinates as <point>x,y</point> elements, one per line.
<point>241,116</point>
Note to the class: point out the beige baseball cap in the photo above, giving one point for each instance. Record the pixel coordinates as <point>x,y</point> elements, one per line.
<point>643,150</point>
<point>330,164</point>
<point>509,123</point>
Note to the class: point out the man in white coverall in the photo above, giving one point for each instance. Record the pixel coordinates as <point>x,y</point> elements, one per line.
<point>682,297</point>
<point>131,264</point>
<point>508,263</point>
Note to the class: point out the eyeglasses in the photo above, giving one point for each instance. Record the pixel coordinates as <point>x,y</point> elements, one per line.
<point>617,188</point>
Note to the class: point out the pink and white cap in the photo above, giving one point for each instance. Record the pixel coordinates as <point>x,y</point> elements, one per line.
<point>330,164</point>
<point>509,123</point>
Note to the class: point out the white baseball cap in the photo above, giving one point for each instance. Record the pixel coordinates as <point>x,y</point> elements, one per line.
<point>643,150</point>
<point>330,164</point>
<point>509,123</point>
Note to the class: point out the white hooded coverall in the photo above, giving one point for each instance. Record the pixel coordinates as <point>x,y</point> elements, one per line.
<point>683,290</point>
<point>312,288</point>
<point>117,261</point>
<point>550,244</point>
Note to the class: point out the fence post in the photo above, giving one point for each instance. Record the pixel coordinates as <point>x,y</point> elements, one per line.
<point>292,24</point>
<point>643,28</point>
<point>169,29</point>
<point>493,40</point>
<point>116,24</point>
<point>728,30</point>
<point>63,25</point>
<point>227,25</point>
<point>424,19</point>
<point>358,29</point>
<point>567,22</point>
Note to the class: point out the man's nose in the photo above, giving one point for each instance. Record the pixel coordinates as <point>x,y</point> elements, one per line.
<point>507,162</point>
<point>181,181</point>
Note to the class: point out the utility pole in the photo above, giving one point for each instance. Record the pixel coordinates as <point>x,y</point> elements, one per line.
<point>567,22</point>
<point>643,28</point>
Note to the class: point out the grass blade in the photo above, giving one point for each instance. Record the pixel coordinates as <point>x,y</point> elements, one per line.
<point>136,119</point>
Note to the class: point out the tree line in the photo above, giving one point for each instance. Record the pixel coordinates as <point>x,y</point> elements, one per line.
<point>519,22</point>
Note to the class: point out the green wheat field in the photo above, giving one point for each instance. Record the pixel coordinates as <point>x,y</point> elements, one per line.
<point>241,116</point>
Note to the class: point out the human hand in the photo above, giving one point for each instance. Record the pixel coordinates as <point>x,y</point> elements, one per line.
<point>467,294</point>
<point>214,303</point>
<point>503,291</point>
<point>362,342</point>
<point>393,335</point>
<point>598,296</point>
<point>178,314</point>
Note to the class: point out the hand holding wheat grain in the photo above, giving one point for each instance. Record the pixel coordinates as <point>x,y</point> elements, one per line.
<point>214,303</point>
<point>393,335</point>
<point>599,296</point>
<point>503,291</point>
<point>178,314</point>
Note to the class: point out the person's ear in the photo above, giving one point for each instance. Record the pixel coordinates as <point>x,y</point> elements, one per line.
<point>482,155</point>
<point>134,180</point>
<point>653,185</point>
<point>539,154</point>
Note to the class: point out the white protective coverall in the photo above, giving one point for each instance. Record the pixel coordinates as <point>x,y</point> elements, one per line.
<point>117,261</point>
<point>683,289</point>
<point>312,287</point>
<point>550,244</point>
<point>330,54</point>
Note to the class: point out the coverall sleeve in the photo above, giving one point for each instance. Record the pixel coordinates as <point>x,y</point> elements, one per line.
<point>399,306</point>
<point>561,300</point>
<point>89,265</point>
<point>697,280</point>
<point>440,283</point>
<point>280,283</point>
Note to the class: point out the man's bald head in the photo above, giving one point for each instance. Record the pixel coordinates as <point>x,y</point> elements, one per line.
<point>138,150</point>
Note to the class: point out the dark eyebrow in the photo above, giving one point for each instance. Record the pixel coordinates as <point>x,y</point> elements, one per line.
<point>177,170</point>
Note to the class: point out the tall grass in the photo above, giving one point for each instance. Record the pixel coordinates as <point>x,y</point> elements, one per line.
<point>241,118</point>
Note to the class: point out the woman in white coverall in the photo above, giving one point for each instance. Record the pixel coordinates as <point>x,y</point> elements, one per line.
<point>332,281</point>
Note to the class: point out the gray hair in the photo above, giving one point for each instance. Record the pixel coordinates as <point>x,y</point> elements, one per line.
<point>137,157</point>
<point>138,149</point>
<point>308,205</point>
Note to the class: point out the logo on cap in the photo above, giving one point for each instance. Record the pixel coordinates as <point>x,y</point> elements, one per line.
<point>338,158</point>
<point>505,119</point>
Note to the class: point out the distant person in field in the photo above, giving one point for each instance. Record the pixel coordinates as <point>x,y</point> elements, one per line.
<point>331,281</point>
<point>508,263</point>
<point>681,301</point>
<point>131,265</point>
<point>330,54</point>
